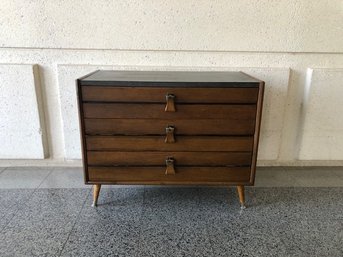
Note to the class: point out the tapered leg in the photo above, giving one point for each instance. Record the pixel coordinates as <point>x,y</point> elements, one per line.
<point>240,190</point>
<point>96,191</point>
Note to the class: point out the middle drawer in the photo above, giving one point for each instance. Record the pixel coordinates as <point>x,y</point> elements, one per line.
<point>100,158</point>
<point>188,127</point>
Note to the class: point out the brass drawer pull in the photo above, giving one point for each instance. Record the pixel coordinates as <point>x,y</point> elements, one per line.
<point>170,166</point>
<point>170,103</point>
<point>170,135</point>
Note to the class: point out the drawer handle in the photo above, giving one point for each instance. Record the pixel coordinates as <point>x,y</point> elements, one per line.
<point>170,135</point>
<point>170,103</point>
<point>170,166</point>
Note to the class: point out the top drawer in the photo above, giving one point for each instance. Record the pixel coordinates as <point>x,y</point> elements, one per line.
<point>246,95</point>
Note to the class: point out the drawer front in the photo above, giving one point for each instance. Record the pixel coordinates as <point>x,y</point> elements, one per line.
<point>157,143</point>
<point>156,175</point>
<point>100,158</point>
<point>156,111</point>
<point>157,127</point>
<point>158,94</point>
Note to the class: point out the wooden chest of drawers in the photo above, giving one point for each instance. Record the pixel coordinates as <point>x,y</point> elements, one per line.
<point>169,128</point>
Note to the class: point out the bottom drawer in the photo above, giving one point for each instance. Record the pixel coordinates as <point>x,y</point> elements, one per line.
<point>156,175</point>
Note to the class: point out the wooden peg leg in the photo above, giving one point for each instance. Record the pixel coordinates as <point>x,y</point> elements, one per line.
<point>240,190</point>
<point>96,191</point>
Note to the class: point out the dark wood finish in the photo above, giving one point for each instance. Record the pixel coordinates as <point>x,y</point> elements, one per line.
<point>82,128</point>
<point>157,127</point>
<point>100,158</point>
<point>182,95</point>
<point>157,111</point>
<point>170,128</point>
<point>156,175</point>
<point>257,131</point>
<point>157,143</point>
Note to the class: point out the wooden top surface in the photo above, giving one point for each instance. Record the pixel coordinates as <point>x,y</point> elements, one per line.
<point>106,76</point>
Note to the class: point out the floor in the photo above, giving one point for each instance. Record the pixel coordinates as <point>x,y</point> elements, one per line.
<point>291,212</point>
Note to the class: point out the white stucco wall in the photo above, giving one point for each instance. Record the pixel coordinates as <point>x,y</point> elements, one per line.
<point>295,46</point>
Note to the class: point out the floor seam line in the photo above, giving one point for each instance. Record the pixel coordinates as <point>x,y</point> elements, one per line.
<point>74,223</point>
<point>207,232</point>
<point>141,224</point>
<point>3,170</point>
<point>21,207</point>
<point>18,210</point>
<point>52,169</point>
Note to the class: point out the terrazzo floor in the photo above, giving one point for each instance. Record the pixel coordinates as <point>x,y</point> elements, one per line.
<point>291,212</point>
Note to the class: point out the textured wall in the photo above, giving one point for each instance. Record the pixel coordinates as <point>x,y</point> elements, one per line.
<point>295,46</point>
<point>246,25</point>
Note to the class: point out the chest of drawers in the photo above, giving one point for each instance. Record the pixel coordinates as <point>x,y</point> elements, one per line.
<point>169,128</point>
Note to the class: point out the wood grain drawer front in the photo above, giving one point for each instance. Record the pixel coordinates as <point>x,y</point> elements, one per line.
<point>156,175</point>
<point>156,111</point>
<point>157,127</point>
<point>99,158</point>
<point>157,143</point>
<point>157,94</point>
